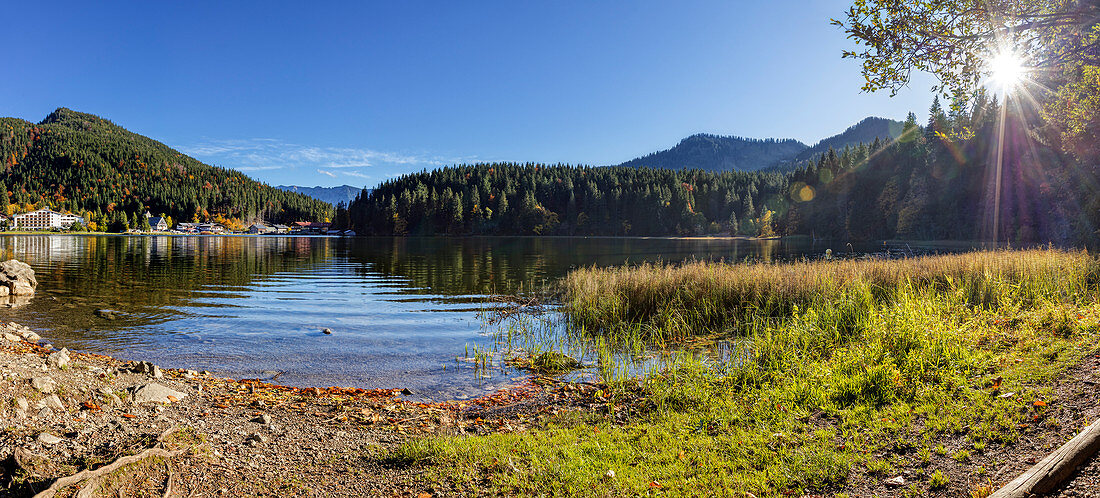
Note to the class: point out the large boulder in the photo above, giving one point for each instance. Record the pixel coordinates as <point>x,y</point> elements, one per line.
<point>17,278</point>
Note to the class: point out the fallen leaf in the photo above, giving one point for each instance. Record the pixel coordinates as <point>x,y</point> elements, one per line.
<point>654,484</point>
<point>172,398</point>
<point>129,415</point>
<point>1040,403</point>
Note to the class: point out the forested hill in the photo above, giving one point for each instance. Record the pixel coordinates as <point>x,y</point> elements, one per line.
<point>932,182</point>
<point>538,199</point>
<point>718,153</point>
<point>331,195</point>
<point>79,162</point>
<point>864,132</point>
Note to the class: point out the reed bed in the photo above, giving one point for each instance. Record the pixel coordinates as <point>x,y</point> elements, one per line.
<point>672,301</point>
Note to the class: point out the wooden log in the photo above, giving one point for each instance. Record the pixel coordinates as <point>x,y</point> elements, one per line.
<point>1056,467</point>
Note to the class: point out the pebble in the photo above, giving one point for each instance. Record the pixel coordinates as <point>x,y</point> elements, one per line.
<point>44,384</point>
<point>895,482</point>
<point>263,419</point>
<point>156,393</point>
<point>45,412</point>
<point>11,337</point>
<point>47,438</point>
<point>54,402</point>
<point>22,404</point>
<point>59,359</point>
<point>326,331</point>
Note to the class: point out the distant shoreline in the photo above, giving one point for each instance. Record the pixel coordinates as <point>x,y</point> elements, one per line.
<point>889,243</point>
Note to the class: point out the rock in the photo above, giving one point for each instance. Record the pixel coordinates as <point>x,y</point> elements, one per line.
<point>54,402</point>
<point>263,419</point>
<point>40,404</point>
<point>255,439</point>
<point>106,314</point>
<point>8,336</point>
<point>31,336</point>
<point>18,277</point>
<point>22,404</point>
<point>44,384</point>
<point>20,414</point>
<point>610,474</point>
<point>156,393</point>
<point>59,359</point>
<point>47,438</point>
<point>149,368</point>
<point>326,331</point>
<point>895,482</point>
<point>45,412</point>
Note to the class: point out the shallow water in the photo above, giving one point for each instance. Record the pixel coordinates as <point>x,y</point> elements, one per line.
<point>401,310</point>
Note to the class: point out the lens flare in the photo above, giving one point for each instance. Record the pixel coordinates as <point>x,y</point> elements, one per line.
<point>1006,71</point>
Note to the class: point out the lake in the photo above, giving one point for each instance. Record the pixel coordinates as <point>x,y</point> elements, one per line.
<point>401,309</point>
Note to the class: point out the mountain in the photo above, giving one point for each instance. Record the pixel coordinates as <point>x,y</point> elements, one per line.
<point>88,165</point>
<point>865,131</point>
<point>720,153</point>
<point>331,195</point>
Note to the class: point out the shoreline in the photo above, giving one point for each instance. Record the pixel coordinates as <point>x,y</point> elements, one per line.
<point>228,437</point>
<point>890,243</point>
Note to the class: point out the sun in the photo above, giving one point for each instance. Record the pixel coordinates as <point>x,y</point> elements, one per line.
<point>1006,71</point>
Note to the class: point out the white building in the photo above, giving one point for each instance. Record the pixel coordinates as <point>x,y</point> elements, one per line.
<point>44,219</point>
<point>158,224</point>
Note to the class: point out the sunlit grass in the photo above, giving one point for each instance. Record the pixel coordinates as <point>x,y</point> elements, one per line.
<point>845,360</point>
<point>671,301</point>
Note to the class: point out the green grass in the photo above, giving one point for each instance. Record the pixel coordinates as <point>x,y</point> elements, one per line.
<point>938,480</point>
<point>844,361</point>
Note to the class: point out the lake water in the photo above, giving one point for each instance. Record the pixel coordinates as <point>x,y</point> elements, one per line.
<point>401,309</point>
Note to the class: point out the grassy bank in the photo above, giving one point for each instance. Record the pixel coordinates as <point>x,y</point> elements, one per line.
<point>853,372</point>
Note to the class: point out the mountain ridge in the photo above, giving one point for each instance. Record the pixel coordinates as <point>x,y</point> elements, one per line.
<point>331,195</point>
<point>710,152</point>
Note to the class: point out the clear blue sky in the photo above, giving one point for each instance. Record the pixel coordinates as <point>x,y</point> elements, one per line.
<point>326,93</point>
